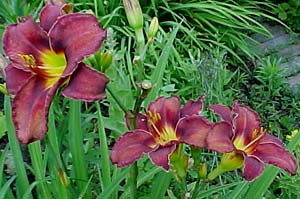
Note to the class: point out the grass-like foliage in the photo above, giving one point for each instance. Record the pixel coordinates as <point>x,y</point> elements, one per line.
<point>194,54</point>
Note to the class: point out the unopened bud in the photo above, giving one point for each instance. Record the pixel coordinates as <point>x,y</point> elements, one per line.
<point>146,85</point>
<point>153,28</point>
<point>134,13</point>
<point>106,60</point>
<point>202,170</point>
<point>3,89</point>
<point>179,162</point>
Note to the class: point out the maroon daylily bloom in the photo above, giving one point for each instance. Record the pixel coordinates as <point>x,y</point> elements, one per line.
<point>159,131</point>
<point>45,56</point>
<point>248,145</point>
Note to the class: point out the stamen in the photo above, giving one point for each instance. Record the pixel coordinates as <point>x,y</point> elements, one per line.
<point>164,134</point>
<point>257,135</point>
<point>29,60</point>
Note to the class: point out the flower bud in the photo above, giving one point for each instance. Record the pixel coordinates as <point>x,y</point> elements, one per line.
<point>134,13</point>
<point>293,135</point>
<point>146,85</point>
<point>202,170</point>
<point>179,162</point>
<point>106,60</point>
<point>3,89</point>
<point>153,28</point>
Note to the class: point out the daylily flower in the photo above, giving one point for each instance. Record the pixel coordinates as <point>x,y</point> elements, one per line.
<point>160,130</point>
<point>248,144</point>
<point>46,56</point>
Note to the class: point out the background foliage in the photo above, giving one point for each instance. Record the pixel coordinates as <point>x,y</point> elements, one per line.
<point>201,48</point>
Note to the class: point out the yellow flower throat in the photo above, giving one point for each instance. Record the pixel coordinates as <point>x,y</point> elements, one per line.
<point>162,133</point>
<point>51,65</point>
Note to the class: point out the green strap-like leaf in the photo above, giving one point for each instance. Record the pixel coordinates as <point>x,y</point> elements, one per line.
<point>5,187</point>
<point>161,65</point>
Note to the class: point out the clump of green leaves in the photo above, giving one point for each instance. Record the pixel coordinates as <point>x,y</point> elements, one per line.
<point>269,92</point>
<point>289,12</point>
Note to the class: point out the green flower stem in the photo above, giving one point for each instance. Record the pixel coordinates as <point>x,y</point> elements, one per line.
<point>39,169</point>
<point>22,183</point>
<point>196,189</point>
<point>133,172</point>
<point>105,162</point>
<point>140,40</point>
<point>117,100</point>
<point>76,147</point>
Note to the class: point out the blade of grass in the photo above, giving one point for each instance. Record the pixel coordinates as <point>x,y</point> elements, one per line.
<point>105,162</point>
<point>76,147</point>
<point>161,65</point>
<point>4,189</point>
<point>8,193</point>
<point>39,169</point>
<point>2,161</point>
<point>236,193</point>
<point>22,183</point>
<point>55,161</point>
<point>258,187</point>
<point>160,185</point>
<point>213,190</point>
<point>3,181</point>
<point>28,192</point>
<point>142,179</point>
<point>114,185</point>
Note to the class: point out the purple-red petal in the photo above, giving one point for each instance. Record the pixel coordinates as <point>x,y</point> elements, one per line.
<point>168,109</point>
<point>253,168</point>
<point>25,38</point>
<point>49,15</point>
<point>131,146</point>
<point>193,130</point>
<point>245,122</point>
<point>15,78</point>
<point>271,139</point>
<point>86,84</point>
<point>161,156</point>
<point>219,138</point>
<point>30,109</point>
<point>223,111</point>
<point>271,153</point>
<point>77,35</point>
<point>192,107</point>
